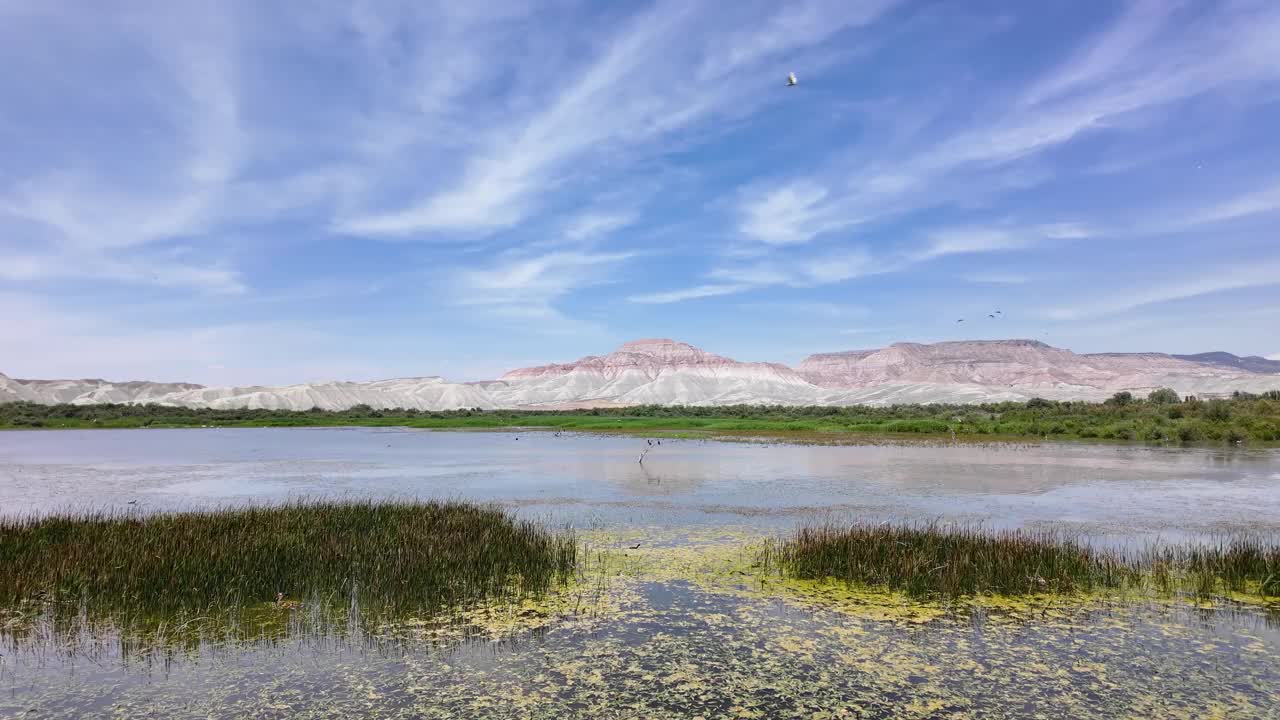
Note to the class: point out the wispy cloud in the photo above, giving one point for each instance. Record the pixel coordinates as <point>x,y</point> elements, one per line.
<point>592,224</point>
<point>1136,64</point>
<point>638,89</point>
<point>970,240</point>
<point>800,272</point>
<point>526,287</point>
<point>1256,202</point>
<point>788,215</point>
<point>98,222</point>
<point>692,293</point>
<point>1204,281</point>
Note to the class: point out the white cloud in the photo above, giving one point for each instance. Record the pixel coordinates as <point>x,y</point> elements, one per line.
<point>637,92</point>
<point>1204,281</point>
<point>526,287</point>
<point>693,293</point>
<point>785,215</point>
<point>97,215</point>
<point>794,272</point>
<point>592,224</point>
<point>1257,202</point>
<point>968,240</point>
<point>1140,63</point>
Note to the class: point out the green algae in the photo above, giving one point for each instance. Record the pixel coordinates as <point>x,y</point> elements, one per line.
<point>691,623</point>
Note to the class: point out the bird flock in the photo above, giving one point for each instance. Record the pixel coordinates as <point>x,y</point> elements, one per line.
<point>997,315</point>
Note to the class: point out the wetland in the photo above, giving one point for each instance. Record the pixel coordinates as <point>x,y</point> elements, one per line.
<point>522,574</point>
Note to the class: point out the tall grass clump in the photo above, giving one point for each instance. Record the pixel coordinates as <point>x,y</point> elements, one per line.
<point>932,560</point>
<point>1244,565</point>
<point>395,555</point>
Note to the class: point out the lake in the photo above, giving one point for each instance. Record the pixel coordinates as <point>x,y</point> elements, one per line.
<point>668,635</point>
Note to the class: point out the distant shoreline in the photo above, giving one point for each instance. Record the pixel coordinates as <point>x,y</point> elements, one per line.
<point>1243,420</point>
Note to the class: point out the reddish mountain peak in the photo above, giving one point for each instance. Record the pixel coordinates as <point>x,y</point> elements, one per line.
<point>665,350</point>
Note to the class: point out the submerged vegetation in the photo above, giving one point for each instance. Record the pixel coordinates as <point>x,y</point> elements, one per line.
<point>397,555</point>
<point>1162,417</point>
<point>932,561</point>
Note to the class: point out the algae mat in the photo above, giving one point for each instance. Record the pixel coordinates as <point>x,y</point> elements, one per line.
<point>682,627</point>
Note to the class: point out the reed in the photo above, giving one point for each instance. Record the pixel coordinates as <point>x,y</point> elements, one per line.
<point>933,560</point>
<point>403,555</point>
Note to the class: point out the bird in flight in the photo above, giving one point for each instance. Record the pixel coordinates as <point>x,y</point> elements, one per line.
<point>960,320</point>
<point>993,317</point>
<point>791,79</point>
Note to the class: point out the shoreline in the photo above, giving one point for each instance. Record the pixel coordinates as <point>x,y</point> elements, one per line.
<point>822,438</point>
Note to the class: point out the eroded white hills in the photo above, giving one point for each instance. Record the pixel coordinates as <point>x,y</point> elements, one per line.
<point>667,372</point>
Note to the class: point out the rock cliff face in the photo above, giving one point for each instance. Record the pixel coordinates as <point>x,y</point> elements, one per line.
<point>667,372</point>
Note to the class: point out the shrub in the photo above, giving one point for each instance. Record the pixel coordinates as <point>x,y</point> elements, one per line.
<point>1217,411</point>
<point>1191,432</point>
<point>1164,396</point>
<point>1123,397</point>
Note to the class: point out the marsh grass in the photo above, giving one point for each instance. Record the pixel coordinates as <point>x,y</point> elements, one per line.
<point>407,556</point>
<point>933,560</point>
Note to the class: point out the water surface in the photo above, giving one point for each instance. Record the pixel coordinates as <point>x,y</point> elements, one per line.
<point>659,640</point>
<point>1102,489</point>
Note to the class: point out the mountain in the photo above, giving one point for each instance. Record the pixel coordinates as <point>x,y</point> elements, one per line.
<point>661,371</point>
<point>1023,368</point>
<point>1250,363</point>
<point>88,391</point>
<point>655,371</point>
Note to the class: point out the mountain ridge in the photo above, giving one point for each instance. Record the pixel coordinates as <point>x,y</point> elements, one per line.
<point>668,372</point>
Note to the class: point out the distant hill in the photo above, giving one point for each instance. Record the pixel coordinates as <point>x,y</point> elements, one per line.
<point>1250,363</point>
<point>667,372</point>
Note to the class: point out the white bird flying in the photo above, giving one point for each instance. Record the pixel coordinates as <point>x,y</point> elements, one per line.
<point>791,79</point>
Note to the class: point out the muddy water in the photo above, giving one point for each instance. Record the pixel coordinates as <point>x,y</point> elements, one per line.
<point>680,627</point>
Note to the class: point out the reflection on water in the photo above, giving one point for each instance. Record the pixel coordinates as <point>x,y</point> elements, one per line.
<point>650,636</point>
<point>1098,488</point>
<point>672,650</point>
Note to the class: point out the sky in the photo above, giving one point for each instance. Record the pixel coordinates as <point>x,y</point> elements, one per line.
<point>270,192</point>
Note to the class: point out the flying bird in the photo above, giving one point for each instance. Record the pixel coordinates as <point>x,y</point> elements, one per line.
<point>960,320</point>
<point>993,317</point>
<point>791,80</point>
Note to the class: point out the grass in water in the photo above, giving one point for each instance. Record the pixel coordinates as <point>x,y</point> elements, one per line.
<point>936,561</point>
<point>394,555</point>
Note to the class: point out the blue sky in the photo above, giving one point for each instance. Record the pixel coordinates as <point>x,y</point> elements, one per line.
<point>243,192</point>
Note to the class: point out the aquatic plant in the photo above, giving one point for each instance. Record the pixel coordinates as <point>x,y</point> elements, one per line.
<point>406,555</point>
<point>935,560</point>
